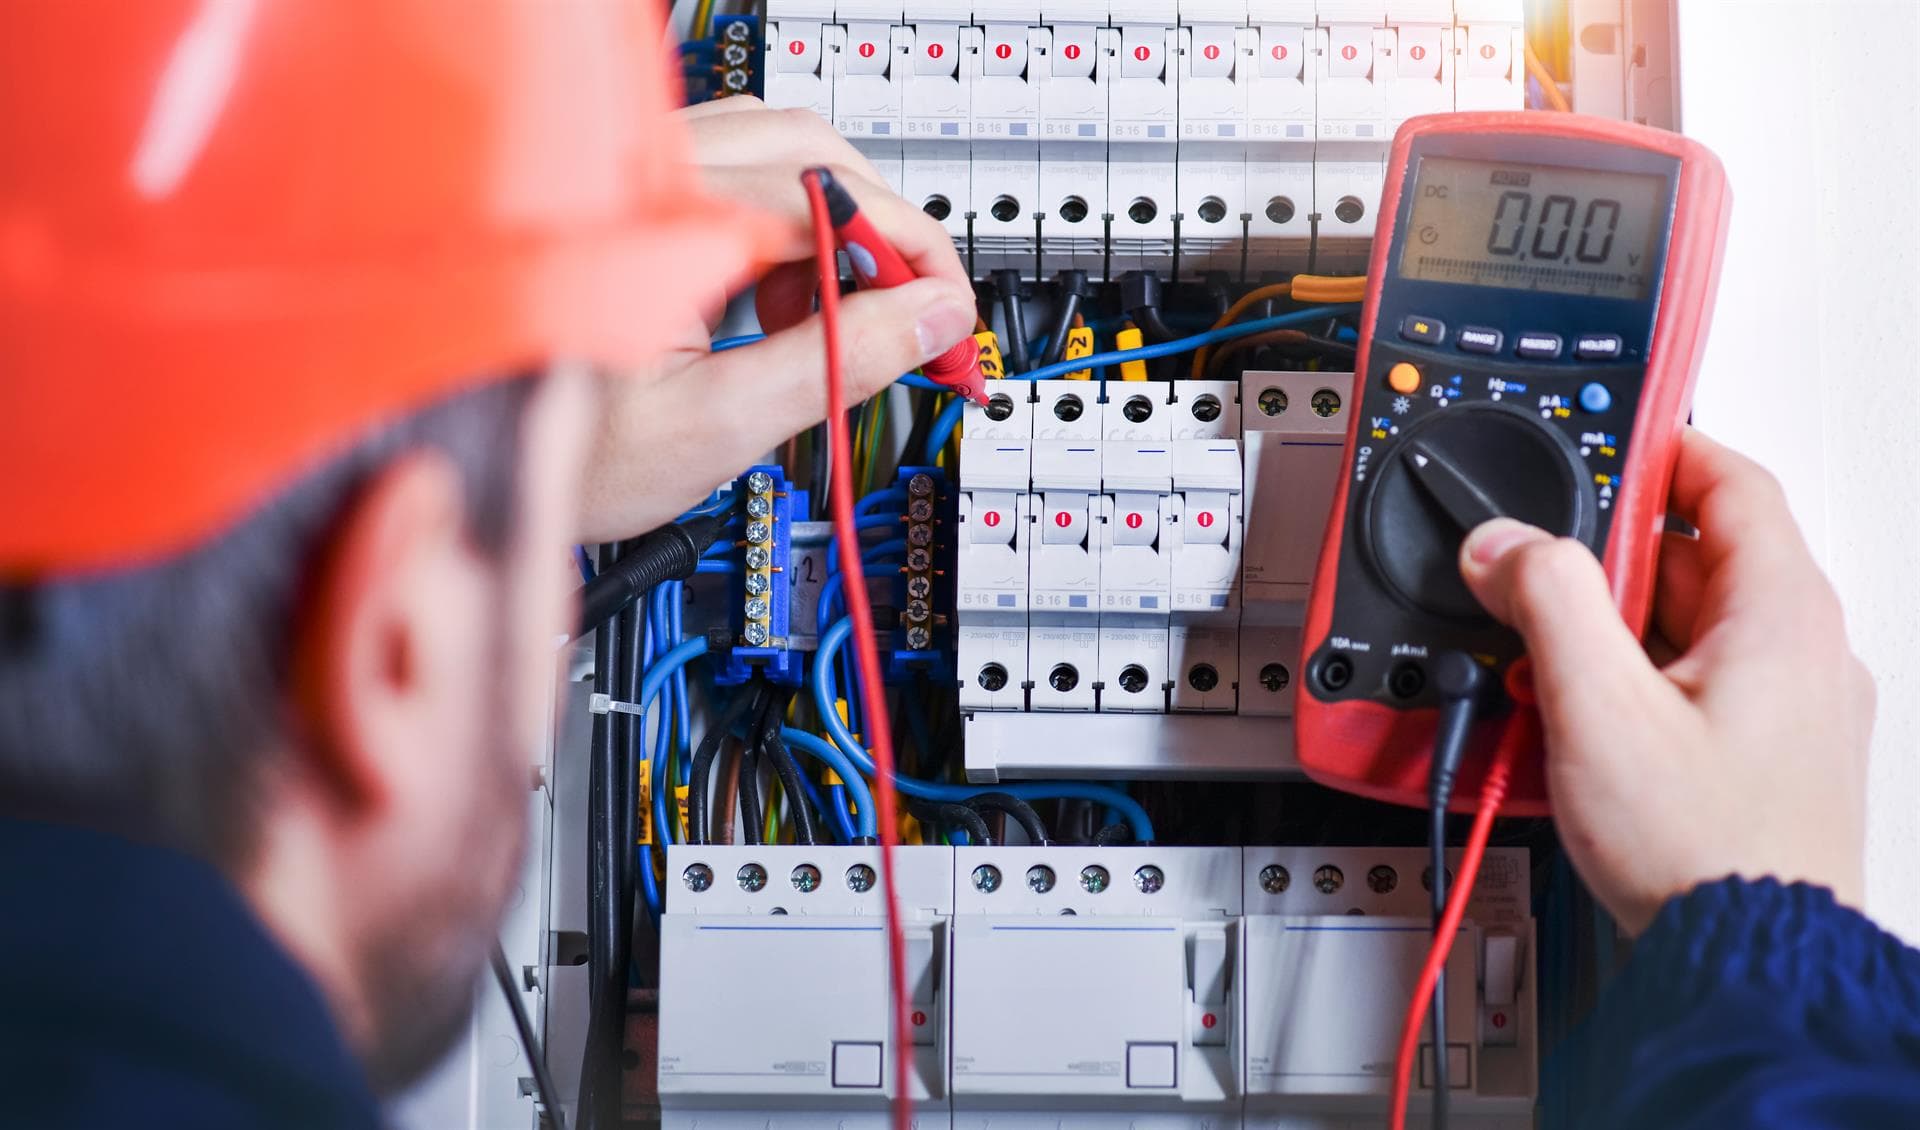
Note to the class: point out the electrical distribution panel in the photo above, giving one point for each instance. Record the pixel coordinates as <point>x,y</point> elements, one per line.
<point>1199,988</point>
<point>1145,554</point>
<point>1118,134</point>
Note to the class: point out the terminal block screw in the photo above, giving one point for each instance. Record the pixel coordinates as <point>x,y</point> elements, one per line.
<point>757,608</point>
<point>919,560</point>
<point>758,558</point>
<point>759,506</point>
<point>757,635</point>
<point>758,532</point>
<point>757,584</point>
<point>920,486</point>
<point>759,482</point>
<point>920,535</point>
<point>1273,401</point>
<point>918,610</point>
<point>1040,878</point>
<point>1094,878</point>
<point>919,587</point>
<point>920,510</point>
<point>1149,879</point>
<point>860,878</point>
<point>698,877</point>
<point>1274,677</point>
<point>737,31</point>
<point>752,877</point>
<point>919,638</point>
<point>986,878</point>
<point>1328,879</point>
<point>1382,880</point>
<point>806,877</point>
<point>1274,879</point>
<point>1326,402</point>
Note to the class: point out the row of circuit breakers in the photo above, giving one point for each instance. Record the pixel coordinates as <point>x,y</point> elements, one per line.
<point>1100,133</point>
<point>1143,987</point>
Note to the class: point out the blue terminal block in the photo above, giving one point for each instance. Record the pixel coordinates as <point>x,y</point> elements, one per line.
<point>921,641</point>
<point>761,593</point>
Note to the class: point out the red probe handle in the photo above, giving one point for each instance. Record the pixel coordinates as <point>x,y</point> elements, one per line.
<point>876,263</point>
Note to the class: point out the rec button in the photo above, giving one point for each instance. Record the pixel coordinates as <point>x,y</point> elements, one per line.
<point>1426,331</point>
<point>1538,347</point>
<point>1479,339</point>
<point>1597,347</point>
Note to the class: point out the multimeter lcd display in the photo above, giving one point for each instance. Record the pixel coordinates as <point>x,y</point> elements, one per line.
<point>1534,227</point>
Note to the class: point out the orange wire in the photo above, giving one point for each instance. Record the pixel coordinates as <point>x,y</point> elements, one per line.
<point>1493,793</point>
<point>873,696</point>
<point>1247,302</point>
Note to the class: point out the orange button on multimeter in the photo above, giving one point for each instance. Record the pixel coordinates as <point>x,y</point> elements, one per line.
<point>1404,378</point>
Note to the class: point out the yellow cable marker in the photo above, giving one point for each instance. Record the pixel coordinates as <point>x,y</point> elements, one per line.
<point>1079,344</point>
<point>1131,338</point>
<point>992,367</point>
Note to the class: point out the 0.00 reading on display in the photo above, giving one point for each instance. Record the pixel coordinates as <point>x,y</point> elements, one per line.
<point>1533,227</point>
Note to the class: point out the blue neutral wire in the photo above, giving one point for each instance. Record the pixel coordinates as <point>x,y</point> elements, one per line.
<point>676,657</point>
<point>861,523</point>
<point>911,380</point>
<point>891,548</point>
<point>894,497</point>
<point>835,637</point>
<point>943,428</point>
<point>585,563</point>
<point>830,591</point>
<point>865,823</point>
<point>1185,344</point>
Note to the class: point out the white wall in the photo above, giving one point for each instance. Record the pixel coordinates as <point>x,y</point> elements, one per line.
<point>1814,366</point>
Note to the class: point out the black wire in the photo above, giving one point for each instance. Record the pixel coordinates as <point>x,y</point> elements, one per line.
<point>1456,676</point>
<point>744,702</point>
<point>1022,813</point>
<point>752,812</point>
<point>600,1058</point>
<point>543,1085</point>
<point>953,815</point>
<point>1008,283</point>
<point>806,828</point>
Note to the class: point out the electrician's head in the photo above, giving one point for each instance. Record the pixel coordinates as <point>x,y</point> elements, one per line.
<point>287,473</point>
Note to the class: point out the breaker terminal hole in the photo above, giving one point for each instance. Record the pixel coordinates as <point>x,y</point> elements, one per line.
<point>1005,209</point>
<point>1068,408</point>
<point>1073,209</point>
<point>993,677</point>
<point>1279,210</point>
<point>939,207</point>
<point>999,406</point>
<point>1350,210</point>
<point>1133,678</point>
<point>1275,677</point>
<point>1064,677</point>
<point>1203,677</point>
<point>1137,409</point>
<point>1212,210</point>
<point>1206,408</point>
<point>1142,210</point>
<point>1273,401</point>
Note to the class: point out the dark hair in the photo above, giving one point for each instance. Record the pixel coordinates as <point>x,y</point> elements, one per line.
<point>144,701</point>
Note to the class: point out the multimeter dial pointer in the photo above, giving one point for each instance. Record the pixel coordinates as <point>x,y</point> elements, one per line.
<point>1454,470</point>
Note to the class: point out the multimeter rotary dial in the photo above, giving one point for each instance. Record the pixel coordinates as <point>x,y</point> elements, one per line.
<point>1453,470</point>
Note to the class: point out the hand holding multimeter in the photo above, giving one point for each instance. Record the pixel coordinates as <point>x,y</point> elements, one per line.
<point>1541,296</point>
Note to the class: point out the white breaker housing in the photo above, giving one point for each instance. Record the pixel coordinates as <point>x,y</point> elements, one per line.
<point>1101,134</point>
<point>1181,988</point>
<point>1148,554</point>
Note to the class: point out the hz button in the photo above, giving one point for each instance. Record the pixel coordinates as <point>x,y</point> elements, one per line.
<point>1426,331</point>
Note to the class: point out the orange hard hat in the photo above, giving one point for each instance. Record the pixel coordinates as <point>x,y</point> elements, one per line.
<point>237,234</point>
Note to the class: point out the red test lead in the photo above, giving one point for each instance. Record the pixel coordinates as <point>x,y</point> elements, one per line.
<point>877,264</point>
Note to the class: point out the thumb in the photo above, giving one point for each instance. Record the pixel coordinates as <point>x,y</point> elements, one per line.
<point>883,333</point>
<point>1587,666</point>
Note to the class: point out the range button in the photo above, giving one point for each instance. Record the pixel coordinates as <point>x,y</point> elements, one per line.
<point>1597,347</point>
<point>1425,330</point>
<point>1479,339</point>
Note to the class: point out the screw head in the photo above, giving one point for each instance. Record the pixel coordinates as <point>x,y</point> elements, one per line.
<point>1426,878</point>
<point>757,584</point>
<point>1149,879</point>
<point>1206,408</point>
<point>1212,210</point>
<point>919,638</point>
<point>759,506</point>
<point>920,535</point>
<point>1073,209</point>
<point>1325,402</point>
<point>920,486</point>
<point>1273,401</point>
<point>986,878</point>
<point>920,510</point>
<point>736,80</point>
<point>734,55</point>
<point>805,877</point>
<point>757,634</point>
<point>939,207</point>
<point>999,407</point>
<point>918,610</point>
<point>698,877</point>
<point>1137,409</point>
<point>919,560</point>
<point>736,31</point>
<point>1328,879</point>
<point>751,877</point>
<point>757,608</point>
<point>1068,408</point>
<point>759,482</point>
<point>1133,678</point>
<point>860,878</point>
<point>1274,879</point>
<point>993,677</point>
<point>1274,677</point>
<point>1203,677</point>
<point>758,532</point>
<point>1279,210</point>
<point>1382,880</point>
<point>919,586</point>
<point>1063,677</point>
<point>758,558</point>
<point>1040,878</point>
<point>1094,878</point>
<point>1142,211</point>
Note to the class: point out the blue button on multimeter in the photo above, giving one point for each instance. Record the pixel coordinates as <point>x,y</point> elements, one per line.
<point>1595,397</point>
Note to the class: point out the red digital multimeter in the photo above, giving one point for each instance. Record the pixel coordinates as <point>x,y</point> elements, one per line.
<point>1541,287</point>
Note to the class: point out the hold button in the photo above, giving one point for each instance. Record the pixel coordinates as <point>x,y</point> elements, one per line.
<point>1597,347</point>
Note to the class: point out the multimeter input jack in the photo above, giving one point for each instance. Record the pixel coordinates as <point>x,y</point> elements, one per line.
<point>1407,679</point>
<point>1336,671</point>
